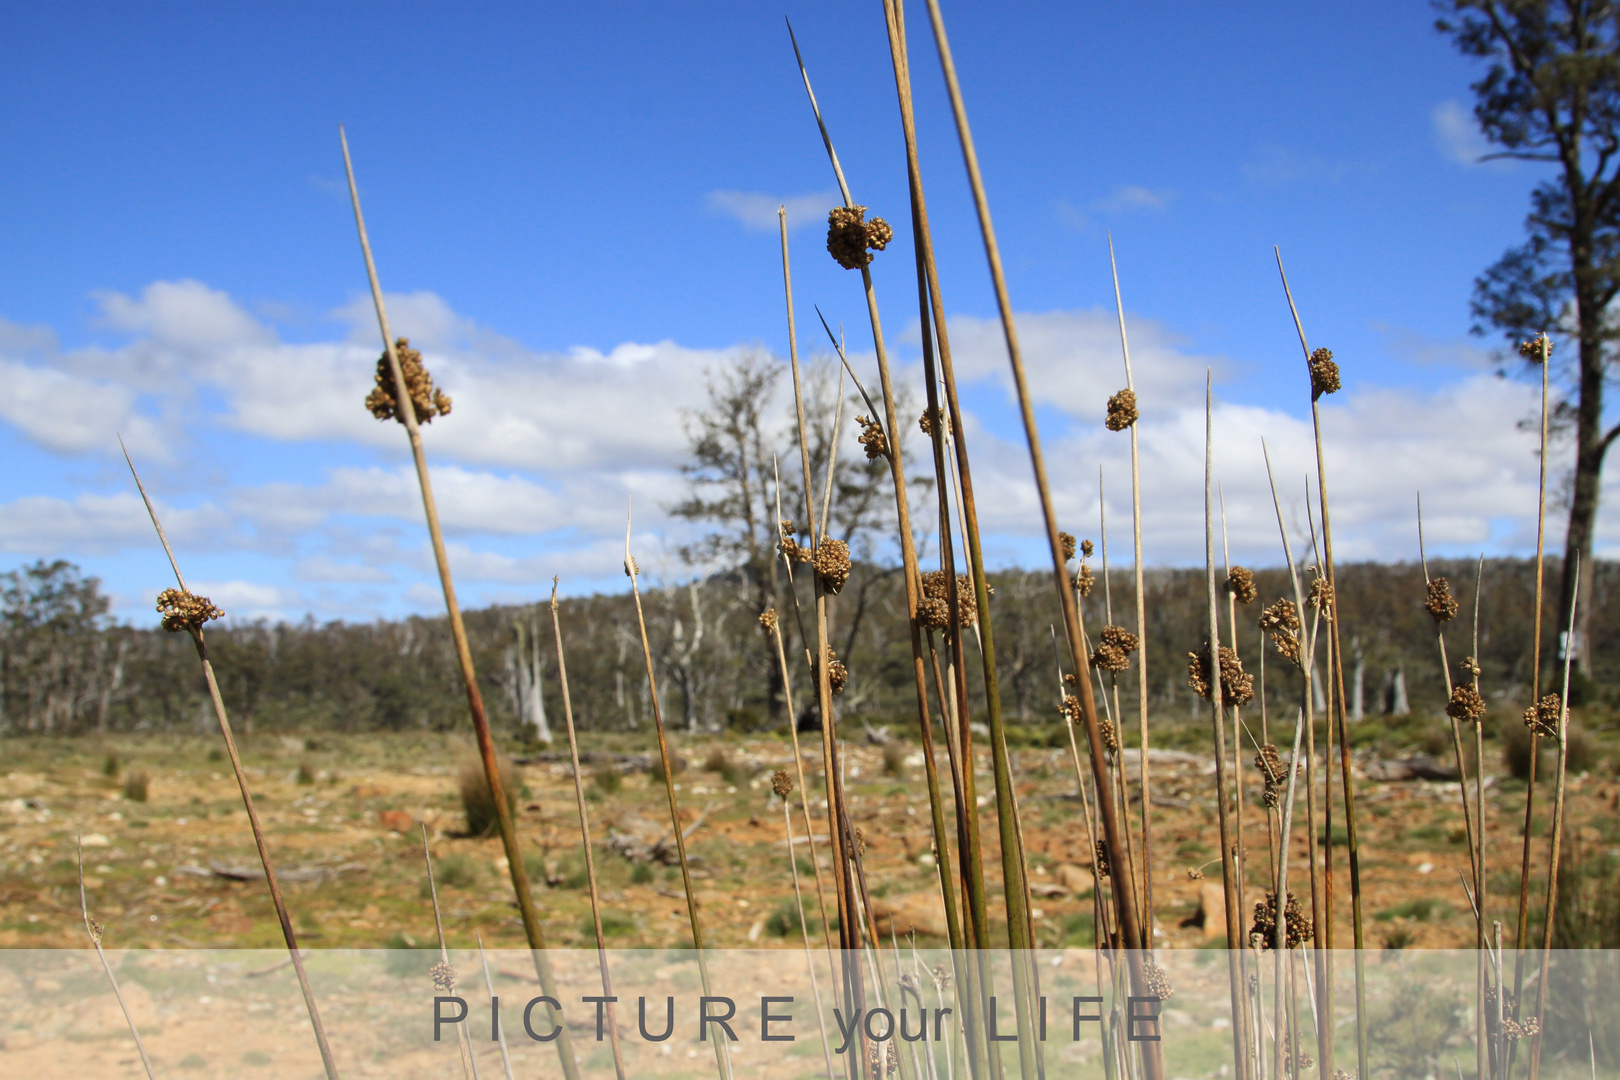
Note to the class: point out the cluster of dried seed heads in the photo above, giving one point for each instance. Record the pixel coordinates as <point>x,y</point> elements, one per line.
<point>427,401</point>
<point>837,673</point>
<point>1113,653</point>
<point>767,620</point>
<point>1537,349</point>
<point>788,545</point>
<point>1083,581</point>
<point>830,560</point>
<point>926,422</point>
<point>1195,873</point>
<point>1273,773</point>
<point>183,610</point>
<point>444,976</point>
<point>1440,604</point>
<point>1240,583</point>
<point>1121,411</point>
<point>1293,1061</point>
<point>872,439</point>
<point>1158,983</point>
<point>1108,734</point>
<point>1297,929</point>
<point>934,610</point>
<point>849,236</point>
<point>1470,668</point>
<point>1086,548</point>
<point>1542,718</point>
<point>1324,373</point>
<point>1280,622</point>
<point>1237,688</point>
<point>1466,705</point>
<point>1067,540</point>
<point>781,784</point>
<point>1321,595</point>
<point>1103,869</point>
<point>631,568</point>
<point>1071,708</point>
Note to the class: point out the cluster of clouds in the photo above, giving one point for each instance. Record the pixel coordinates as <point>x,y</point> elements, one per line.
<point>535,466</point>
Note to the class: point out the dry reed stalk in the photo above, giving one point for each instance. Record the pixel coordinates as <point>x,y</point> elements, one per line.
<point>1116,715</point>
<point>444,976</point>
<point>798,897</point>
<point>722,1057</point>
<point>1456,730</point>
<point>1237,983</point>
<point>1543,347</point>
<point>1352,843</point>
<point>94,930</point>
<point>839,836</point>
<point>193,627</point>
<point>1557,833</point>
<point>1141,614</point>
<point>1481,942</point>
<point>585,841</point>
<point>475,701</point>
<point>1132,932</point>
<point>1321,871</point>
<point>489,985</point>
<point>1280,913</point>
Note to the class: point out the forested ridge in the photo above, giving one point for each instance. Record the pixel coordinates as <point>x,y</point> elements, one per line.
<point>66,667</point>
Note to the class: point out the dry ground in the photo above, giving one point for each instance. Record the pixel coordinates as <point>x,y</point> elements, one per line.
<point>346,831</point>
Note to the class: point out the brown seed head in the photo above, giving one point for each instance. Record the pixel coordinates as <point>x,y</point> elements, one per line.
<point>1297,928</point>
<point>1067,540</point>
<point>1237,688</point>
<point>1537,349</point>
<point>872,439</point>
<point>1195,873</point>
<point>830,560</point>
<point>444,976</point>
<point>927,420</point>
<point>631,568</point>
<point>1102,859</point>
<point>849,236</point>
<point>1273,773</point>
<point>183,610</point>
<point>1083,581</point>
<point>1470,668</point>
<point>1466,704</point>
<point>427,401</point>
<point>1086,548</point>
<point>1321,595</point>
<point>1324,373</point>
<point>837,673</point>
<point>1108,657</point>
<point>1543,717</point>
<point>781,784</point>
<point>767,620</point>
<point>1158,983</point>
<point>1108,734</point>
<point>1440,604</point>
<point>935,610</point>
<point>1280,622</point>
<point>1071,708</point>
<point>1121,411</point>
<point>1240,583</point>
<point>788,546</point>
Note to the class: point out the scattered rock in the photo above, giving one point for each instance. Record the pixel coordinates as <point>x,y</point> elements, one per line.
<point>396,821</point>
<point>923,912</point>
<point>1211,914</point>
<point>1076,879</point>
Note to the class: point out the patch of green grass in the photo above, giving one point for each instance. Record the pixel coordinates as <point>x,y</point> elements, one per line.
<point>255,1057</point>
<point>641,875</point>
<point>1422,908</point>
<point>457,871</point>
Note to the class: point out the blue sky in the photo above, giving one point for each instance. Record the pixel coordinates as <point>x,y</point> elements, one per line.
<point>571,207</point>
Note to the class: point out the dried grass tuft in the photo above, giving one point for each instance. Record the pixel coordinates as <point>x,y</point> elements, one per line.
<point>477,802</point>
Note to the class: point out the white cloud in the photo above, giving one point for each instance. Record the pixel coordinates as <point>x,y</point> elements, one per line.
<point>757,210</point>
<point>1275,166</point>
<point>1133,197</point>
<point>1457,133</point>
<point>533,467</point>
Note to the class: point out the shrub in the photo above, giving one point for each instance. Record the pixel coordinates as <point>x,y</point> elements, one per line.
<point>719,762</point>
<point>457,871</point>
<point>1516,752</point>
<point>109,767</point>
<point>477,802</point>
<point>641,875</point>
<point>137,786</point>
<point>605,774</point>
<point>894,758</point>
<point>306,775</point>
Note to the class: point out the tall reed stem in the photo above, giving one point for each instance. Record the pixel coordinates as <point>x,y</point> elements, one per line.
<point>1352,844</point>
<point>458,631</point>
<point>1543,346</point>
<point>585,839</point>
<point>804,930</point>
<point>1217,712</point>
<point>1557,832</point>
<point>444,976</point>
<point>1141,620</point>
<point>1016,886</point>
<point>195,630</point>
<point>722,1058</point>
<point>94,930</point>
